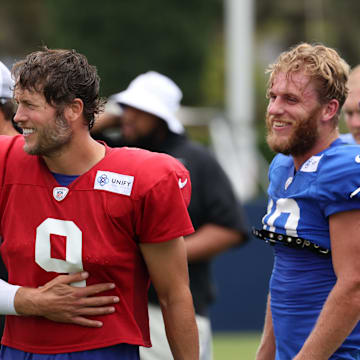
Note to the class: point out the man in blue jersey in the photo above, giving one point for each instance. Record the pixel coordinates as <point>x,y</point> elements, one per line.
<point>313,216</point>
<point>352,108</point>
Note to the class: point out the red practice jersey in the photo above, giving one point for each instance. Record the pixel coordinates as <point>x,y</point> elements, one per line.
<point>95,224</point>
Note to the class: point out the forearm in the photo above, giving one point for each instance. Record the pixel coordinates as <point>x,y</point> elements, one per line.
<point>181,329</point>
<point>210,240</point>
<point>337,319</point>
<point>28,302</point>
<point>266,350</point>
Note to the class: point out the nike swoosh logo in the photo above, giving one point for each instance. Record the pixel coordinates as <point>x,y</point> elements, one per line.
<point>357,158</point>
<point>182,183</point>
<point>355,192</point>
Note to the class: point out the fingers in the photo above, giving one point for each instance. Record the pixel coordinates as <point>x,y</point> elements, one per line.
<point>95,311</point>
<point>98,301</point>
<point>86,322</point>
<point>79,291</point>
<point>69,278</point>
<point>94,289</point>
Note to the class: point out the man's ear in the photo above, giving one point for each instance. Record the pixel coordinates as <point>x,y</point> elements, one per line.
<point>330,109</point>
<point>74,110</point>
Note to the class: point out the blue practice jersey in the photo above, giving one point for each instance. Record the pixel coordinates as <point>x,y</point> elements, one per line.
<point>300,204</point>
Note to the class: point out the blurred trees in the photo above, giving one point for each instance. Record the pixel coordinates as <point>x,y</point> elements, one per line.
<point>128,37</point>
<point>180,38</point>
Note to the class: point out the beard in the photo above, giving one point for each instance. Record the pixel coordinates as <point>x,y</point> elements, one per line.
<point>303,137</point>
<point>151,141</point>
<point>51,139</point>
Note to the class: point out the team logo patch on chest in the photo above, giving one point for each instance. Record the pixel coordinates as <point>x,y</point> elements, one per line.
<point>312,164</point>
<point>60,193</point>
<point>113,182</point>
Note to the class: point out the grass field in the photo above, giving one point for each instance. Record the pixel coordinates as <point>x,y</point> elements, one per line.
<point>235,346</point>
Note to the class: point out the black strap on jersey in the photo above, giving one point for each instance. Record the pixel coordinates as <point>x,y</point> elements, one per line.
<point>272,238</point>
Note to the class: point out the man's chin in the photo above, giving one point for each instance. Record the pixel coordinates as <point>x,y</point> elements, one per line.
<point>278,146</point>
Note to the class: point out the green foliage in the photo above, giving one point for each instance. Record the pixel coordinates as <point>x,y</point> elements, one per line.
<point>128,37</point>
<point>180,38</point>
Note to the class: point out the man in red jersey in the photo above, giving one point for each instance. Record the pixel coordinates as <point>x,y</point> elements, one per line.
<point>70,204</point>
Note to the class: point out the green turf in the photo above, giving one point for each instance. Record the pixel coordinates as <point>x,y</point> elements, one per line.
<point>235,346</point>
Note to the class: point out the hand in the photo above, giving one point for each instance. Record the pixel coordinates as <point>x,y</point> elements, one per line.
<point>57,300</point>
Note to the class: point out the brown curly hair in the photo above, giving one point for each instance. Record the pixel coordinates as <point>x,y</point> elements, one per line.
<point>61,76</point>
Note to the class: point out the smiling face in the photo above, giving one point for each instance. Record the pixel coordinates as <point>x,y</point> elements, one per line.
<point>46,133</point>
<point>293,114</point>
<point>352,108</point>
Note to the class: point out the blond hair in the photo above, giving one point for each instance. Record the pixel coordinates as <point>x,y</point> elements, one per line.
<point>322,64</point>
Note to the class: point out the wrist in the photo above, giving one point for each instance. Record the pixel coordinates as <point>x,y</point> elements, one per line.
<point>7,296</point>
<point>25,302</point>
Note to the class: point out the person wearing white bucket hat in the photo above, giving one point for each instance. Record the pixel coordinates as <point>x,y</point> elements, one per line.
<point>156,94</point>
<point>7,111</point>
<point>146,118</point>
<point>7,106</point>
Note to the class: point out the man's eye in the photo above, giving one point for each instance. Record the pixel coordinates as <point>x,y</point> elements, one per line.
<point>271,97</point>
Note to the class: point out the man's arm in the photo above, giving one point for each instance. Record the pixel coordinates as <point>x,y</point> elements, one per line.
<point>266,350</point>
<point>168,270</point>
<point>57,300</point>
<point>341,311</point>
<point>210,240</point>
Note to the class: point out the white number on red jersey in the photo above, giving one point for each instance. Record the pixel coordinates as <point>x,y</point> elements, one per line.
<point>73,235</point>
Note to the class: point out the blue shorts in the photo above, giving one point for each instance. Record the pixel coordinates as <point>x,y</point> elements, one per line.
<point>116,352</point>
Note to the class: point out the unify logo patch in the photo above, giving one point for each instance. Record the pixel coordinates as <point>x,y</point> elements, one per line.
<point>113,182</point>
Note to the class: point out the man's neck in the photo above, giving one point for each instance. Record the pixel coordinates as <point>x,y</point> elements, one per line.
<point>320,146</point>
<point>76,158</point>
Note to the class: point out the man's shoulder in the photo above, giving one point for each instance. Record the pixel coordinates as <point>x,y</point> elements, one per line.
<point>136,157</point>
<point>341,159</point>
<point>195,156</point>
<point>147,165</point>
<point>12,146</point>
<point>338,173</point>
<point>348,138</point>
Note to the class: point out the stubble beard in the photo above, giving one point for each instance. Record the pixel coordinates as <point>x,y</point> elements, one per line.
<point>52,139</point>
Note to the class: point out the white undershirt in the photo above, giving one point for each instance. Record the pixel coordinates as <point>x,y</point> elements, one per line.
<point>7,296</point>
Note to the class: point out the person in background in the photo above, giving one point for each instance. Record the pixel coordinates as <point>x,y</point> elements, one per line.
<point>146,117</point>
<point>352,108</point>
<point>7,111</point>
<point>69,204</point>
<point>7,105</point>
<point>313,215</point>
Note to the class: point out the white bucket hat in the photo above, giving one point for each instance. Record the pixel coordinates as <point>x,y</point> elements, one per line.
<point>156,94</point>
<point>6,82</point>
